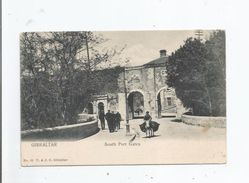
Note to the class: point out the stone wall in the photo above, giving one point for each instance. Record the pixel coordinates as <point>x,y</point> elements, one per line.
<point>204,121</point>
<point>69,132</point>
<point>122,106</point>
<point>147,80</point>
<point>83,117</point>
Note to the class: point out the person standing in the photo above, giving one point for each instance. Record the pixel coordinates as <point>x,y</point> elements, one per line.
<point>147,119</point>
<point>102,119</point>
<point>118,119</point>
<point>113,123</point>
<point>108,117</point>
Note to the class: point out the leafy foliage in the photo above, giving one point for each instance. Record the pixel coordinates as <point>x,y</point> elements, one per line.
<point>58,76</point>
<point>197,72</point>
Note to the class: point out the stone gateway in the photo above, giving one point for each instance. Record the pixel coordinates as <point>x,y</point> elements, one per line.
<point>140,89</point>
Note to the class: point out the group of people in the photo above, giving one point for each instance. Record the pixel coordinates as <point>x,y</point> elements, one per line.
<point>113,120</point>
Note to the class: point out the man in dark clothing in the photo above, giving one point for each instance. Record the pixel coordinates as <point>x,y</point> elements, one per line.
<point>147,119</point>
<point>113,123</point>
<point>117,120</point>
<point>108,117</point>
<point>102,119</point>
<point>147,116</point>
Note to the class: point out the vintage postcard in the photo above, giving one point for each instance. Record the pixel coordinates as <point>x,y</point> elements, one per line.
<point>123,97</point>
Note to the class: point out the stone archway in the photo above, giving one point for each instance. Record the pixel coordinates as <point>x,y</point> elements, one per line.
<point>166,104</point>
<point>135,104</point>
<point>101,107</point>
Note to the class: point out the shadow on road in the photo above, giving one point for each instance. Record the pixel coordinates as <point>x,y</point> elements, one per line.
<point>176,120</point>
<point>152,136</point>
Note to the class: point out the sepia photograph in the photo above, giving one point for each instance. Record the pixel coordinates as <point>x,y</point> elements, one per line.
<point>123,97</point>
<point>124,91</point>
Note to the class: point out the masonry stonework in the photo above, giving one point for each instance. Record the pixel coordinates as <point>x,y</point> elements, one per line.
<point>140,89</point>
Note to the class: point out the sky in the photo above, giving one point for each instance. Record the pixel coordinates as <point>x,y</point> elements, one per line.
<point>143,46</point>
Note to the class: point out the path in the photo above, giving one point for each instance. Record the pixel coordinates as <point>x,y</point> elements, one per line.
<point>173,143</point>
<point>168,130</point>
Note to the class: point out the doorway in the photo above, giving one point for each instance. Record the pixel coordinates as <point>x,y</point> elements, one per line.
<point>136,105</point>
<point>166,103</point>
<point>101,107</point>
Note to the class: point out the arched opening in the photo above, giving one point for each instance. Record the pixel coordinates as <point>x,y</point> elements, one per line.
<point>90,108</point>
<point>166,103</point>
<point>101,107</point>
<point>135,105</point>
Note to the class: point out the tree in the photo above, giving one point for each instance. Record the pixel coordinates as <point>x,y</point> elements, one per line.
<point>38,94</point>
<point>197,72</point>
<point>217,71</point>
<point>57,71</point>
